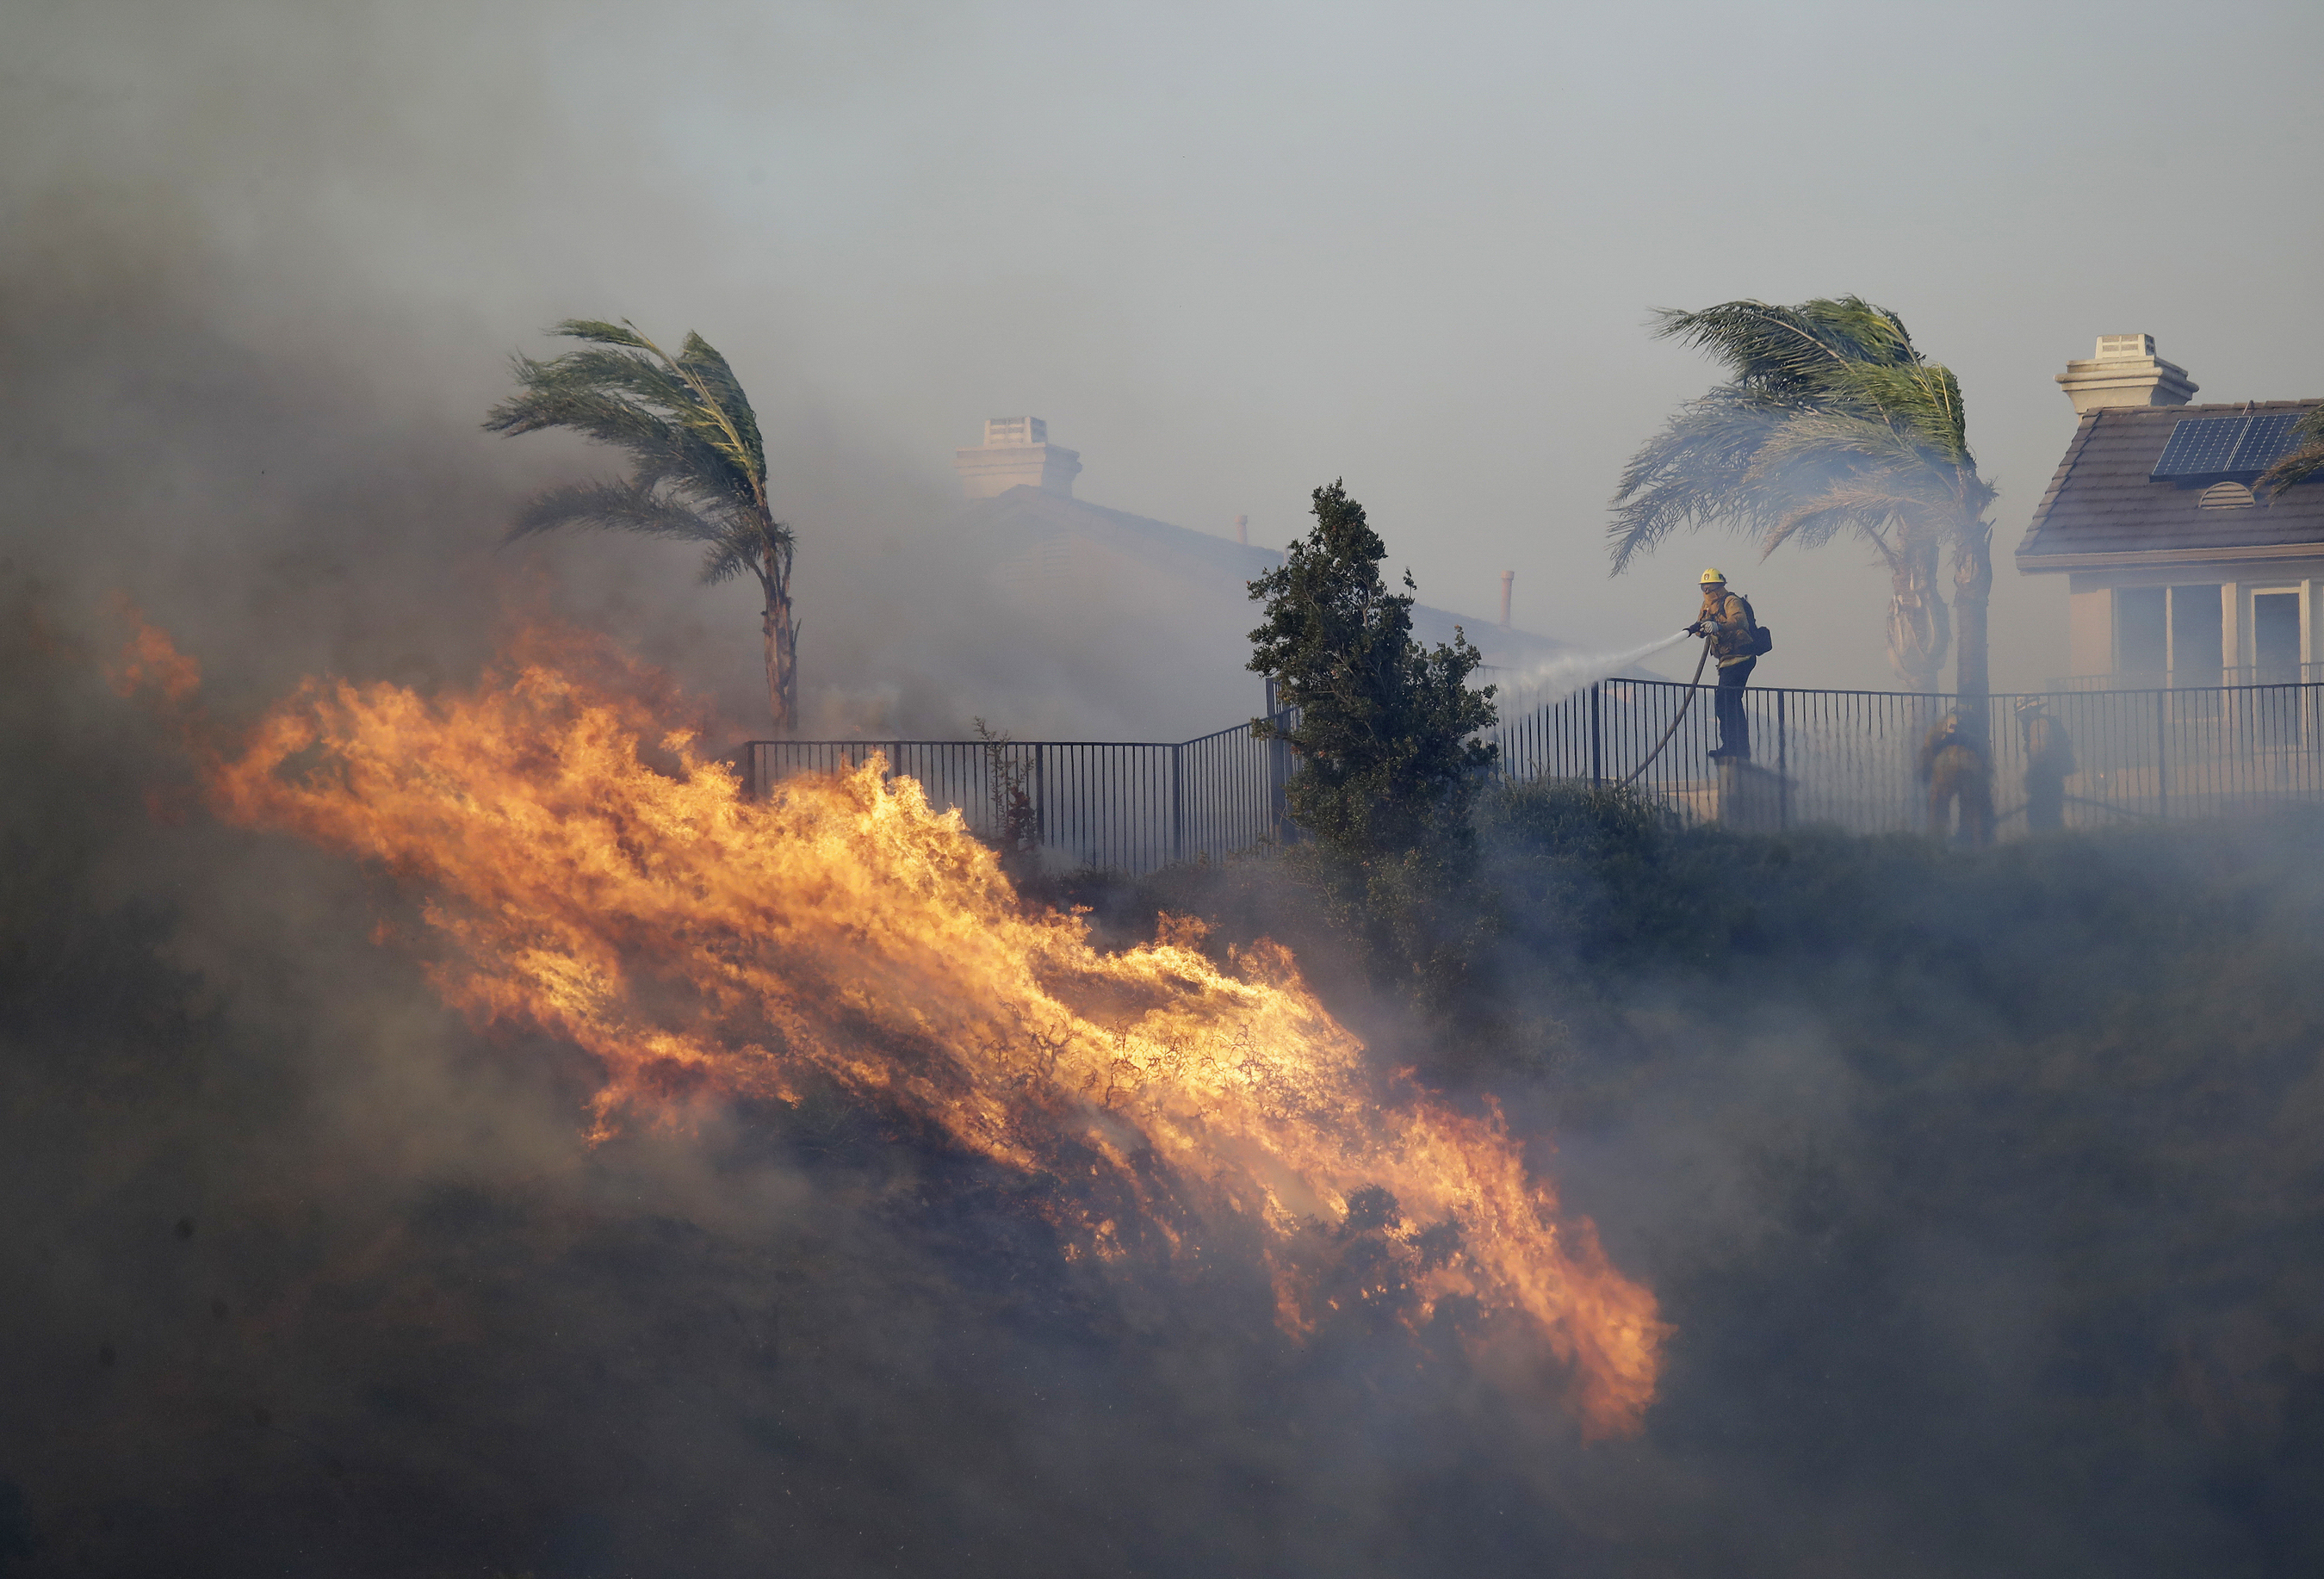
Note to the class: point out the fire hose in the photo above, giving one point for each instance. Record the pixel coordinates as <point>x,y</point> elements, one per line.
<point>1693,686</point>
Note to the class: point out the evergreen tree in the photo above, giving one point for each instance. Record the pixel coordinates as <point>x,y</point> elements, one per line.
<point>1389,764</point>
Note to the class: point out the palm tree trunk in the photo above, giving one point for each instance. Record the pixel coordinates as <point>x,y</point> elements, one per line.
<point>783,648</point>
<point>1918,629</point>
<point>1972,591</point>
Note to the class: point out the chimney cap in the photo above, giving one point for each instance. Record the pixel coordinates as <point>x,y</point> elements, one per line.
<point>1000,431</point>
<point>2124,371</point>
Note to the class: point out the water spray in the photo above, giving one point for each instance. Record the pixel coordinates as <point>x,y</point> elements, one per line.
<point>1560,678</point>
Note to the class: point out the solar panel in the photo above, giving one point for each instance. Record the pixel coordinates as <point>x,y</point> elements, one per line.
<point>2266,440</point>
<point>2200,447</point>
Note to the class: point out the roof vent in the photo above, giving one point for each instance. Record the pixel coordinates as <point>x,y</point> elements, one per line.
<point>1017,452</point>
<point>2124,371</point>
<point>2225,496</point>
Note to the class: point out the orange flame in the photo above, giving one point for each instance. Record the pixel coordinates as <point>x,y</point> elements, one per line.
<point>700,943</point>
<point>151,661</point>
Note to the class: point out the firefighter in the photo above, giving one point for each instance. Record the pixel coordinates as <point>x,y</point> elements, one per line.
<point>1954,766</point>
<point>1726,618</point>
<point>2049,763</point>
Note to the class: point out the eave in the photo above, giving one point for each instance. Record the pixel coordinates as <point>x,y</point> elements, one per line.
<point>2034,564</point>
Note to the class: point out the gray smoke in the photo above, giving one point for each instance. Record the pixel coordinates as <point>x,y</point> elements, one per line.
<point>1982,1195</point>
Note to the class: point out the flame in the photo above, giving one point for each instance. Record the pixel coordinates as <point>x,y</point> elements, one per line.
<point>700,945</point>
<point>151,661</point>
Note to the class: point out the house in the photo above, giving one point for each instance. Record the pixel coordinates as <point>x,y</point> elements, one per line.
<point>2177,573</point>
<point>1107,584</point>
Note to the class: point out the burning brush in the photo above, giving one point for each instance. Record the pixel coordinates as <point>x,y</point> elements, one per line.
<point>703,946</point>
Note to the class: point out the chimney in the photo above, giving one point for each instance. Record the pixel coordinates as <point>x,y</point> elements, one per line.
<point>2126,372</point>
<point>1242,530</point>
<point>1017,452</point>
<point>1507,578</point>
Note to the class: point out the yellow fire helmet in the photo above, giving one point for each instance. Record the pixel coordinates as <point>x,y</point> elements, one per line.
<point>1710,575</point>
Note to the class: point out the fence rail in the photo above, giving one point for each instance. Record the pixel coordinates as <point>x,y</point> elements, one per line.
<point>1847,759</point>
<point>1131,806</point>
<point>2209,678</point>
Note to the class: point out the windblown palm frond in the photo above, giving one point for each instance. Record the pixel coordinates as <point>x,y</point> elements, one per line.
<point>1831,421</point>
<point>1850,504</point>
<point>691,436</point>
<point>698,464</point>
<point>618,506</point>
<point>2304,462</point>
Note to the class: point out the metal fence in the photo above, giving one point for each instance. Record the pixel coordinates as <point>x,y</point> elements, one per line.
<point>1845,759</point>
<point>1849,759</point>
<point>1127,806</point>
<point>2211,676</point>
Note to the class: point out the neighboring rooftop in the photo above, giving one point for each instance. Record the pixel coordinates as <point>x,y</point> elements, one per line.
<point>1048,513</point>
<point>2116,501</point>
<point>1065,551</point>
<point>1071,549</point>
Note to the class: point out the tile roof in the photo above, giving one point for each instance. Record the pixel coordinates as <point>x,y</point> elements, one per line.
<point>1220,566</point>
<point>2100,508</point>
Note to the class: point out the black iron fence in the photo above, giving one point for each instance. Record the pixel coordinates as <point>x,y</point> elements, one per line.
<point>1847,759</point>
<point>1129,805</point>
<point>1852,758</point>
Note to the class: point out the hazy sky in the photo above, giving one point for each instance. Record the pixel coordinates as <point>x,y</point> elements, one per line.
<point>1231,251</point>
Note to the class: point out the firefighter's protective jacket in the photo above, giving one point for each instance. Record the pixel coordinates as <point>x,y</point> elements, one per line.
<point>1727,618</point>
<point>1949,754</point>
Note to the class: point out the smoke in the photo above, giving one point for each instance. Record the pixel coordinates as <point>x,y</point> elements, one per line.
<point>265,266</point>
<point>1980,1195</point>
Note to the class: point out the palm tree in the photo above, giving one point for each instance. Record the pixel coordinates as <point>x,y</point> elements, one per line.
<point>1831,421</point>
<point>2301,463</point>
<point>699,469</point>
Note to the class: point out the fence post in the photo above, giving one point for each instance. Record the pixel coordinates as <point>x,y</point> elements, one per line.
<point>1597,761</point>
<point>1782,765</point>
<point>2161,756</point>
<point>1040,793</point>
<point>1178,804</point>
<point>1278,772</point>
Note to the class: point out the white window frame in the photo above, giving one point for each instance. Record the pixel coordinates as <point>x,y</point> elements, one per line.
<point>2247,620</point>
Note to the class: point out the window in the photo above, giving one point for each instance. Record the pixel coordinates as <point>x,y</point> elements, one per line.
<point>2141,636</point>
<point>2169,634</point>
<point>2197,631</point>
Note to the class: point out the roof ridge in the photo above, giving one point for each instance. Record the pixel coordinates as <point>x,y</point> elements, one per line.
<point>2211,408</point>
